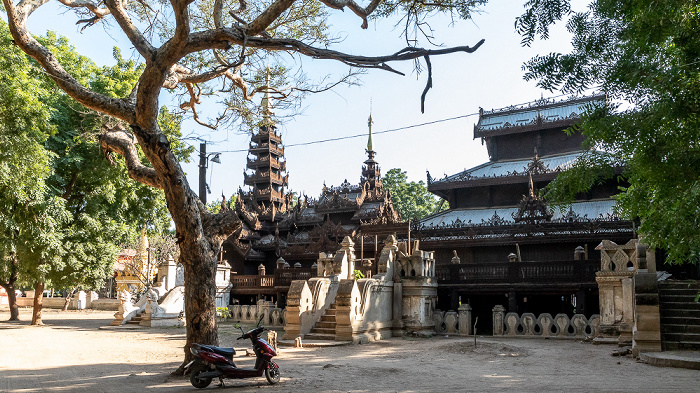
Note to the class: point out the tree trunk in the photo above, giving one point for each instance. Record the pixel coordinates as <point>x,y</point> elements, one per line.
<point>200,295</point>
<point>38,298</point>
<point>12,300</point>
<point>9,286</point>
<point>69,297</point>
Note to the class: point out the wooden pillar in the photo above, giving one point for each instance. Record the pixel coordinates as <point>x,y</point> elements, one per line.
<point>581,302</point>
<point>512,301</point>
<point>454,300</point>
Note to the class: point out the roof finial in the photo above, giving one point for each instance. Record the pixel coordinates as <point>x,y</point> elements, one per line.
<point>265,103</point>
<point>369,125</point>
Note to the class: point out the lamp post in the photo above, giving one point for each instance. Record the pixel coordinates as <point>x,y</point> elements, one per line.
<point>203,165</point>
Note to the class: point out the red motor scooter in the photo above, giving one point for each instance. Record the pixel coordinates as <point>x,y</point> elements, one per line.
<point>216,362</point>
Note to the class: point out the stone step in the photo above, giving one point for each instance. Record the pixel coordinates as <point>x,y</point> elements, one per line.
<point>315,336</point>
<point>693,321</point>
<point>679,345</point>
<point>681,337</point>
<point>325,324</point>
<point>680,305</point>
<point>680,328</point>
<point>680,286</point>
<point>328,318</point>
<point>685,297</point>
<point>678,313</point>
<point>330,331</point>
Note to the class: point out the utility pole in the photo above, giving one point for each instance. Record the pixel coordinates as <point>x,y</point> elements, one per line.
<point>203,172</point>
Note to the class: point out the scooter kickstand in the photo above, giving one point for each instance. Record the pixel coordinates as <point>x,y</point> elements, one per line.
<point>221,383</point>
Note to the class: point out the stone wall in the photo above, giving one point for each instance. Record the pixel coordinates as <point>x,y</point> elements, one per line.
<point>58,302</point>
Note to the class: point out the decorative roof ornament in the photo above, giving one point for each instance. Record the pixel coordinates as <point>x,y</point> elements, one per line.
<point>369,125</point>
<point>265,102</point>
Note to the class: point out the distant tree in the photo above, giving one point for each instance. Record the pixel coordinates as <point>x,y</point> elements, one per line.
<point>645,56</point>
<point>411,199</point>
<point>24,163</point>
<point>215,206</point>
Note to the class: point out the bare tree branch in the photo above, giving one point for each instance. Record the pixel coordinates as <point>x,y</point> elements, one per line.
<point>428,84</point>
<point>142,45</point>
<point>220,226</point>
<point>354,7</point>
<point>123,143</point>
<point>91,7</point>
<point>268,16</point>
<point>217,39</point>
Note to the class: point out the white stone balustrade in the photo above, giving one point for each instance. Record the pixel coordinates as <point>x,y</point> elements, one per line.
<point>560,326</point>
<point>272,316</point>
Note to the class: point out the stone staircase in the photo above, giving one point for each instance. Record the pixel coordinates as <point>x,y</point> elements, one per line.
<point>136,319</point>
<point>325,327</point>
<point>680,314</point>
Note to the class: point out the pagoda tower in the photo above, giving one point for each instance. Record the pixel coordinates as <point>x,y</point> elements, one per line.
<point>371,174</point>
<point>266,160</point>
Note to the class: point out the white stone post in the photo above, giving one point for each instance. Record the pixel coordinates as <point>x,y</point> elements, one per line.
<point>465,319</point>
<point>498,313</point>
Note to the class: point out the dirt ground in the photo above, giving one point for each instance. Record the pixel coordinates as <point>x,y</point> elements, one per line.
<point>74,352</point>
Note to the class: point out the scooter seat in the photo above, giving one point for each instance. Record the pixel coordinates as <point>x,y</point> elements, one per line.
<point>226,352</point>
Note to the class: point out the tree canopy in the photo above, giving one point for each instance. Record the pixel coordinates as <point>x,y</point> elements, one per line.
<point>645,56</point>
<point>411,199</point>
<point>66,209</point>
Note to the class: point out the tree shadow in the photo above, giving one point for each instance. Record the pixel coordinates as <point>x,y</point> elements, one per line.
<point>112,377</point>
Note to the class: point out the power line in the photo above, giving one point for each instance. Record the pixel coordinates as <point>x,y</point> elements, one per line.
<point>340,138</point>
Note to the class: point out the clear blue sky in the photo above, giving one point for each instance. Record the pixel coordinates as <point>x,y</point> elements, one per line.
<point>489,78</point>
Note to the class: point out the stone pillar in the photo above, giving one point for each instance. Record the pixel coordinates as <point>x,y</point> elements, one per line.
<point>616,291</point>
<point>455,258</point>
<point>579,253</point>
<point>168,270</point>
<point>465,319</point>
<point>627,321</point>
<point>498,314</point>
<point>298,303</point>
<point>647,322</point>
<point>261,269</point>
<point>397,311</point>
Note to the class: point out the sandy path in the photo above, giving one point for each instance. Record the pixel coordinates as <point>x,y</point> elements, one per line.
<point>72,354</point>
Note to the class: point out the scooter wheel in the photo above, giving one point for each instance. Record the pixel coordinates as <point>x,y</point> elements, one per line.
<point>199,383</point>
<point>272,373</point>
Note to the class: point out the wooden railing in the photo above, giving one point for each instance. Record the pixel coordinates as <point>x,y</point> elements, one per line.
<point>240,281</point>
<point>284,277</point>
<point>281,278</point>
<point>518,272</point>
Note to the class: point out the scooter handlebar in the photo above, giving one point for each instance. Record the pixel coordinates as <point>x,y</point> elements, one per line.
<point>250,333</point>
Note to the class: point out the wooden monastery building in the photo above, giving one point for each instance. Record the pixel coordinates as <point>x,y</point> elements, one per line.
<point>281,237</point>
<point>500,243</point>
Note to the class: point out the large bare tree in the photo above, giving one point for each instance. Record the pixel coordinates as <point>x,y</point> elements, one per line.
<point>195,43</point>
